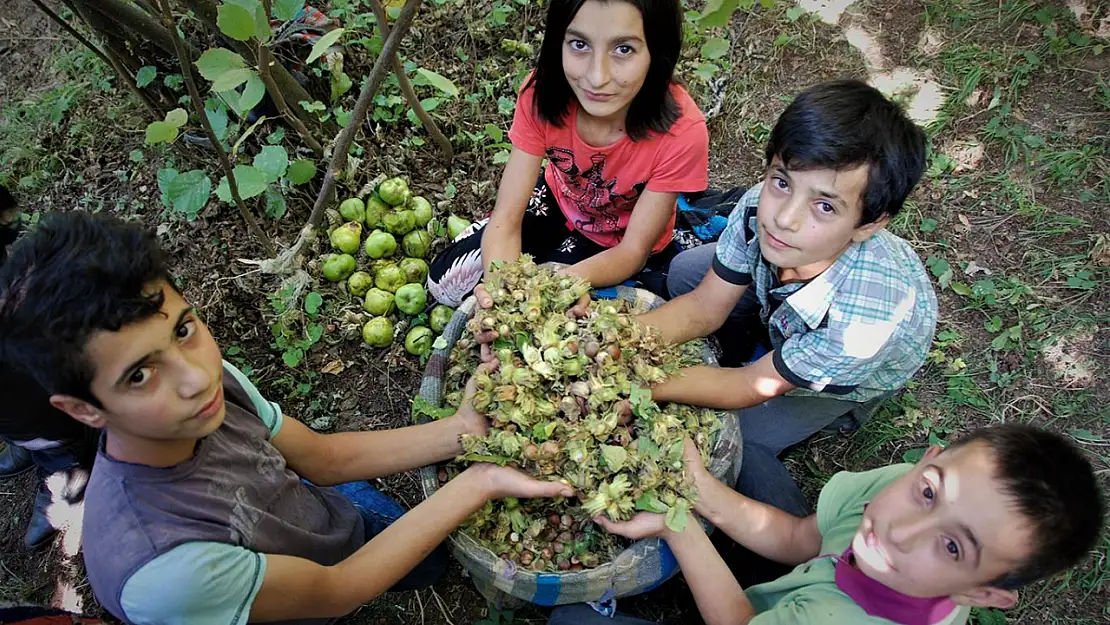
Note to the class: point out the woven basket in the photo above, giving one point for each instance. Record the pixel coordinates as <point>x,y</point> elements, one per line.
<point>639,568</point>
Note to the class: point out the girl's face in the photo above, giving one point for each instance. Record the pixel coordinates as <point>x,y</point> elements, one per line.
<point>605,56</point>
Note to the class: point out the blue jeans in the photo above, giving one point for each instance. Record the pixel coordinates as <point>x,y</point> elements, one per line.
<point>378,512</point>
<point>778,423</point>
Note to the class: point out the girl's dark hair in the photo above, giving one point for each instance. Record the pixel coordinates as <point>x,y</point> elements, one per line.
<point>1053,486</point>
<point>846,123</point>
<point>72,275</point>
<point>653,109</point>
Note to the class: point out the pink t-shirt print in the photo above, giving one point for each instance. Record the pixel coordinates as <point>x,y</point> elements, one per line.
<point>597,187</point>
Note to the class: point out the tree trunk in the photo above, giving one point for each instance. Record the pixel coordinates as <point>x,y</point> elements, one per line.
<point>135,24</point>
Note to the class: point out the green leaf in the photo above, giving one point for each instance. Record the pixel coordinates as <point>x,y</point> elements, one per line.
<point>913,455</point>
<point>340,84</point>
<point>677,515</point>
<point>1034,141</point>
<point>428,77</point>
<point>261,24</point>
<point>495,133</point>
<point>315,331</point>
<point>165,177</point>
<point>273,160</point>
<point>640,399</point>
<point>960,288</point>
<point>189,192</point>
<point>231,79</point>
<point>993,325</point>
<point>647,448</point>
<point>781,40</point>
<point>292,357</point>
<point>252,93</point>
<point>136,156</point>
<point>424,408</point>
<point>714,48</point>
<point>1086,436</point>
<point>145,76</point>
<point>235,22</point>
<point>215,62</point>
<point>928,224</point>
<point>160,132</point>
<point>286,10</point>
<point>275,203</point>
<point>250,180</point>
<point>795,13</point>
<point>650,502</point>
<point>614,456</point>
<point>323,43</point>
<point>217,117</point>
<point>706,71</point>
<point>301,171</point>
<point>988,616</point>
<point>177,117</point>
<point>717,13</point>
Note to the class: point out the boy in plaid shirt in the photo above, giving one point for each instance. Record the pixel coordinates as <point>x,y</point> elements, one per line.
<point>831,312</point>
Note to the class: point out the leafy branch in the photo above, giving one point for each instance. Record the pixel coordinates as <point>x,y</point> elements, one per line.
<point>198,108</point>
<point>288,259</point>
<point>407,90</point>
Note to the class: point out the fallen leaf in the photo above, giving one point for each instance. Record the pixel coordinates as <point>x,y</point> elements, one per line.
<point>974,268</point>
<point>334,367</point>
<point>963,219</point>
<point>1100,252</point>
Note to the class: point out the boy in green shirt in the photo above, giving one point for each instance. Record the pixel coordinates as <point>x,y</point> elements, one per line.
<point>906,544</point>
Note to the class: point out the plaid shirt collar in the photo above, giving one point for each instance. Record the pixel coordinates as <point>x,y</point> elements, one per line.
<point>812,300</point>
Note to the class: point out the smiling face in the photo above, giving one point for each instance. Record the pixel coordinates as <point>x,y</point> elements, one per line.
<point>605,57</point>
<point>807,218</point>
<point>159,382</point>
<point>944,529</point>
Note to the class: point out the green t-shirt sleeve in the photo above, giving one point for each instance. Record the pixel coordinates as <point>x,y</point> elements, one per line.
<point>846,493</point>
<point>195,582</point>
<point>268,411</point>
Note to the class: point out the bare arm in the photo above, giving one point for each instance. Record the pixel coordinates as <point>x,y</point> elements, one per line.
<point>720,599</point>
<point>327,459</point>
<point>296,588</point>
<point>501,236</point>
<point>726,389</point>
<point>649,218</point>
<point>766,530</point>
<point>697,313</point>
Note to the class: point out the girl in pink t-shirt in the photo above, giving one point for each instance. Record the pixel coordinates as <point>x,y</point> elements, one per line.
<point>621,140</point>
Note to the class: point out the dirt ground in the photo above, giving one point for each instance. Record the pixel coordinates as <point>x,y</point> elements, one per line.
<point>1019,212</point>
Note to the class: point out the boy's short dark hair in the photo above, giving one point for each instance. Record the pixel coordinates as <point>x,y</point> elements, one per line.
<point>72,275</point>
<point>1053,487</point>
<point>846,123</point>
<point>653,109</point>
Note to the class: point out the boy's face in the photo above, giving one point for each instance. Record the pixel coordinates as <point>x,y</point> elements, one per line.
<point>944,529</point>
<point>808,218</point>
<point>158,380</point>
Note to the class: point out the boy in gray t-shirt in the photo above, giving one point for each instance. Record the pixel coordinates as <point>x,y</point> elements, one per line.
<point>206,503</point>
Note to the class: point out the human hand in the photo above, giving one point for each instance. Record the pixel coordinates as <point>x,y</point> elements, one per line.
<point>472,421</point>
<point>581,308</point>
<point>484,337</point>
<point>643,525</point>
<point>497,482</point>
<point>695,467</point>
